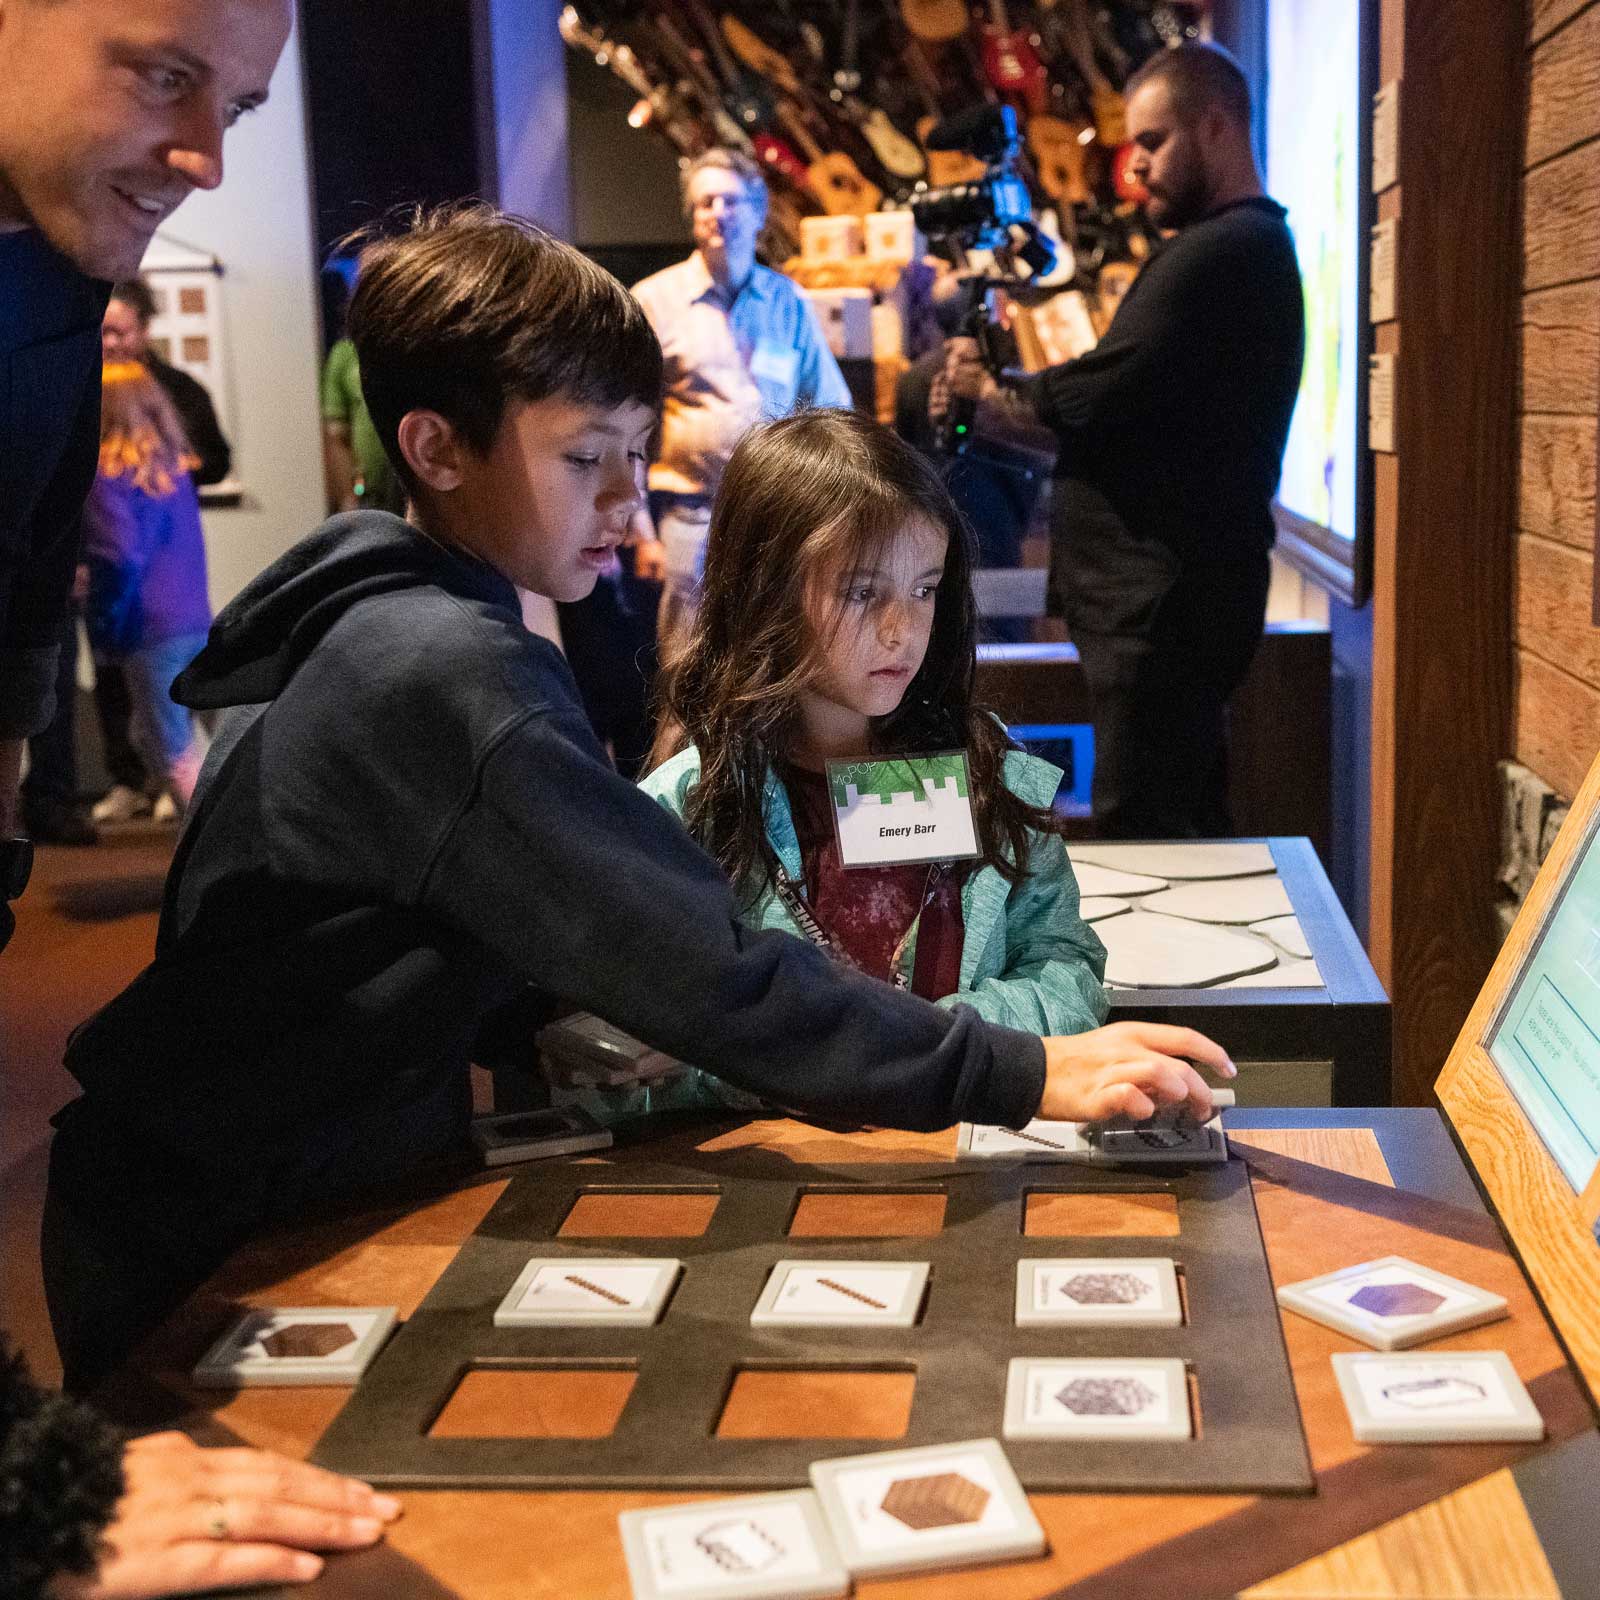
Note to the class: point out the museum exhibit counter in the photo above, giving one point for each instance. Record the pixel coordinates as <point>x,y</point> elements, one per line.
<point>1245,940</point>
<point>1329,1187</point>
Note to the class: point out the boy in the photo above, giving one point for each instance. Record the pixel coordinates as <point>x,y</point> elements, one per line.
<point>407,822</point>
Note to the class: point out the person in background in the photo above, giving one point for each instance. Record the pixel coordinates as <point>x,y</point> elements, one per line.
<point>355,470</point>
<point>741,344</point>
<point>113,110</point>
<point>148,609</point>
<point>1172,431</point>
<point>125,336</point>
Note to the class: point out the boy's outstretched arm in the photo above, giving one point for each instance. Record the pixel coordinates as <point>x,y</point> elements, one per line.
<point>593,892</point>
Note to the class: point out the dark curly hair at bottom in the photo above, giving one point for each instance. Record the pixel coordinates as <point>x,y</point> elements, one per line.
<point>60,1477</point>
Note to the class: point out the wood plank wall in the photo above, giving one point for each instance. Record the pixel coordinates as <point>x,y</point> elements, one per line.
<point>1444,505</point>
<point>1557,725</point>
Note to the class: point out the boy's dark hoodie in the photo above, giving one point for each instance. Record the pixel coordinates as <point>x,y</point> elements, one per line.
<point>405,822</point>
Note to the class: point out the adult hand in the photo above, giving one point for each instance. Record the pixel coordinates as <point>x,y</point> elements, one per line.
<point>194,1520</point>
<point>1129,1069</point>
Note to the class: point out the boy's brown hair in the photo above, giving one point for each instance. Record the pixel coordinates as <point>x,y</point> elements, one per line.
<point>468,309</point>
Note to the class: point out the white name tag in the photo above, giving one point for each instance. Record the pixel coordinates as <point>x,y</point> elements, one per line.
<point>913,808</point>
<point>775,365</point>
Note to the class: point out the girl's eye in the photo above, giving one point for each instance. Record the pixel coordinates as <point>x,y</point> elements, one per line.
<point>859,595</point>
<point>584,461</point>
<point>927,591</point>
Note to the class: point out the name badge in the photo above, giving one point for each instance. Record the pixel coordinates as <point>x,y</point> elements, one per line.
<point>773,364</point>
<point>911,808</point>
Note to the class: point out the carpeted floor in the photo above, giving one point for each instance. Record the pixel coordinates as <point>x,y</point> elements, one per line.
<point>85,927</point>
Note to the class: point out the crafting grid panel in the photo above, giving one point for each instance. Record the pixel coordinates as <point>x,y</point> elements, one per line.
<point>1250,1438</point>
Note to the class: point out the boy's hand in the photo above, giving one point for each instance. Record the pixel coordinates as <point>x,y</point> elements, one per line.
<point>1129,1069</point>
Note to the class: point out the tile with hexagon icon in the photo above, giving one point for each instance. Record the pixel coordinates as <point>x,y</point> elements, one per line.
<point>1435,1397</point>
<point>755,1546</point>
<point>1130,1292</point>
<point>1097,1397</point>
<point>1392,1303</point>
<point>286,1346</point>
<point>941,1506</point>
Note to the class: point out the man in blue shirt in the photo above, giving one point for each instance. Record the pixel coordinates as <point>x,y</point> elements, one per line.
<point>112,112</point>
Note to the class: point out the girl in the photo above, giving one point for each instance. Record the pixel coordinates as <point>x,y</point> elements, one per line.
<point>148,607</point>
<point>838,622</point>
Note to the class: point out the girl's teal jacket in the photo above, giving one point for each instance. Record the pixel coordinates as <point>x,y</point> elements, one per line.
<point>1028,960</point>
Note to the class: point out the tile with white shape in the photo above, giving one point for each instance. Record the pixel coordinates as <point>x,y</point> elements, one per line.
<point>283,1346</point>
<point>587,1291</point>
<point>1435,1397</point>
<point>1128,1397</point>
<point>1236,902</point>
<point>841,1294</point>
<point>941,1506</point>
<point>1106,1292</point>
<point>1287,934</point>
<point>1038,1141</point>
<point>749,1548</point>
<point>1146,951</point>
<point>1096,908</point>
<point>1391,1302</point>
<point>1095,881</point>
<point>1290,975</point>
<point>1183,862</point>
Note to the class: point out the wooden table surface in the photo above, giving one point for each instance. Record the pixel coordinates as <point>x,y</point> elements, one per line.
<point>1449,1522</point>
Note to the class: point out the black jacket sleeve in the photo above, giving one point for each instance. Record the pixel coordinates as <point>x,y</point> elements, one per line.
<point>60,1477</point>
<point>199,419</point>
<point>591,890</point>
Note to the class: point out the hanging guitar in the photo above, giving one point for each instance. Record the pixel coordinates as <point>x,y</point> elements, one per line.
<point>662,108</point>
<point>1011,64</point>
<point>898,155</point>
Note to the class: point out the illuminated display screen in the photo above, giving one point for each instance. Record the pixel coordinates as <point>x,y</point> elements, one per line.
<point>1313,106</point>
<point>1546,1040</point>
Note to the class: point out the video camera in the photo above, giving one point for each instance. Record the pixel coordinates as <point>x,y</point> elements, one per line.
<point>994,213</point>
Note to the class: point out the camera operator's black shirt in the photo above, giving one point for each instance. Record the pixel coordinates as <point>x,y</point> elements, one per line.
<point>1173,428</point>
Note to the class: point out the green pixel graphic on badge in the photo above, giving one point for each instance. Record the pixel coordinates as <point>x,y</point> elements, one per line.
<point>903,775</point>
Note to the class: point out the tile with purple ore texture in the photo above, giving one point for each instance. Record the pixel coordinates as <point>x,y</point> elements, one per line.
<point>1106,1397</point>
<point>1105,1288</point>
<point>1397,1299</point>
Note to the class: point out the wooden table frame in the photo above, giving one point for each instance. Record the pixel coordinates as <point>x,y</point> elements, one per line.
<point>1458,1522</point>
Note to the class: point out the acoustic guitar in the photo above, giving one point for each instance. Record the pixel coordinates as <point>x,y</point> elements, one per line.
<point>832,177</point>
<point>935,20</point>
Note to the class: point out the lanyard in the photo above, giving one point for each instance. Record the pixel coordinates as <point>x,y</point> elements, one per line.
<point>793,897</point>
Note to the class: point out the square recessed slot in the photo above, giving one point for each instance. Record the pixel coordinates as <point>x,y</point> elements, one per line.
<point>817,1403</point>
<point>1067,1213</point>
<point>829,1214</point>
<point>566,1402</point>
<point>639,1214</point>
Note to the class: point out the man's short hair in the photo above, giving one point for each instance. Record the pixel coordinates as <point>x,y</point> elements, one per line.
<point>135,294</point>
<point>468,309</point>
<point>724,160</point>
<point>1199,77</point>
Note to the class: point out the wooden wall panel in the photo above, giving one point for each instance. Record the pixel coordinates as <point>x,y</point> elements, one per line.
<point>1556,730</point>
<point>1558,722</point>
<point>1545,16</point>
<point>1561,350</point>
<point>1556,489</point>
<point>1564,90</point>
<point>1553,616</point>
<point>1561,220</point>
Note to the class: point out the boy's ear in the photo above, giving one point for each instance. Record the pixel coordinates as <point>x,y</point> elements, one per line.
<point>432,448</point>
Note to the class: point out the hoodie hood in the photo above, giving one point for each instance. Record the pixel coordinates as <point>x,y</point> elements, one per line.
<point>258,642</point>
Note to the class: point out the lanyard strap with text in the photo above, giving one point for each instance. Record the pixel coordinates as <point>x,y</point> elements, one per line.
<point>793,897</point>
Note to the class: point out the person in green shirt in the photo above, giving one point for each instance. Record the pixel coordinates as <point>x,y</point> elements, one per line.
<point>355,469</point>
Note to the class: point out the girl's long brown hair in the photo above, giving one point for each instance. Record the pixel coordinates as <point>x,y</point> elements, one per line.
<point>802,499</point>
<point>140,435</point>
